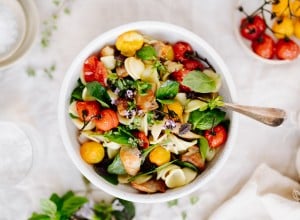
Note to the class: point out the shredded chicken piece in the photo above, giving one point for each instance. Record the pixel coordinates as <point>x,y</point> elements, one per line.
<point>193,156</point>
<point>150,186</point>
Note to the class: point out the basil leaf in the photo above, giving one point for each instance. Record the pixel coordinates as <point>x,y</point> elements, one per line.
<point>118,137</point>
<point>146,53</point>
<point>48,207</point>
<point>77,92</point>
<point>205,120</point>
<point>200,82</point>
<point>36,216</point>
<point>127,209</point>
<point>116,167</point>
<point>168,90</point>
<point>71,205</point>
<point>204,147</point>
<point>96,90</point>
<point>57,200</point>
<point>102,211</point>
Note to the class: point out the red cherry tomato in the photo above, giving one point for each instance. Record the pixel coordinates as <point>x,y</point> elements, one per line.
<point>252,27</point>
<point>264,46</point>
<point>216,136</point>
<point>193,64</point>
<point>87,110</point>
<point>94,70</point>
<point>107,121</point>
<point>143,139</point>
<point>287,49</point>
<point>180,50</point>
<point>178,76</point>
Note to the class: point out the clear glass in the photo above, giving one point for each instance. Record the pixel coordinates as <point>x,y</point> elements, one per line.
<point>16,151</point>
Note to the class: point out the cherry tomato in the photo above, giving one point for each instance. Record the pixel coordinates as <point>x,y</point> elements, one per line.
<point>216,136</point>
<point>264,46</point>
<point>94,70</point>
<point>180,50</point>
<point>287,49</point>
<point>92,152</point>
<point>107,121</point>
<point>178,76</point>
<point>159,156</point>
<point>252,27</point>
<point>87,110</point>
<point>193,64</point>
<point>143,139</point>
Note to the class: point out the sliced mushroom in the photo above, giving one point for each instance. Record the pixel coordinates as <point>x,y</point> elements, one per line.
<point>193,156</point>
<point>131,159</point>
<point>151,186</point>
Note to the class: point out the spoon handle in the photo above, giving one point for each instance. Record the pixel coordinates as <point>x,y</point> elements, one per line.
<point>269,116</point>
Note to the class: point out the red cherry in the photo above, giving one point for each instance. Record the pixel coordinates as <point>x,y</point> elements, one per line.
<point>287,49</point>
<point>252,27</point>
<point>264,46</point>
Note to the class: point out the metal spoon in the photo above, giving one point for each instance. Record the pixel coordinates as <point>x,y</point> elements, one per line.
<point>269,116</point>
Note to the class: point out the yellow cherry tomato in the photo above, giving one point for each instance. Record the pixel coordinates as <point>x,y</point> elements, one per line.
<point>92,152</point>
<point>175,107</point>
<point>129,42</point>
<point>283,27</point>
<point>297,28</point>
<point>280,8</point>
<point>295,7</point>
<point>159,156</point>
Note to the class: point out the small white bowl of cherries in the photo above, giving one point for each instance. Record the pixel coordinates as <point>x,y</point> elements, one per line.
<point>269,29</point>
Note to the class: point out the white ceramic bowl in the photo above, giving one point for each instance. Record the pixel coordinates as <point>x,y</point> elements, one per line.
<point>249,7</point>
<point>162,31</point>
<point>27,18</point>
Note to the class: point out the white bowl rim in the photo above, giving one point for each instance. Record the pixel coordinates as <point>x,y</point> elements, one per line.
<point>92,176</point>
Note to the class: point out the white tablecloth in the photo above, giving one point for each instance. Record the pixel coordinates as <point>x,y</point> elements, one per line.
<point>33,100</point>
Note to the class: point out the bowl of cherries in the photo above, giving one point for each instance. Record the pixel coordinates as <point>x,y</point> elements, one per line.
<point>269,29</point>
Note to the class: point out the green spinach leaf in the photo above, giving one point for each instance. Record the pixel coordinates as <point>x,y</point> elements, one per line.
<point>204,120</point>
<point>200,82</point>
<point>96,90</point>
